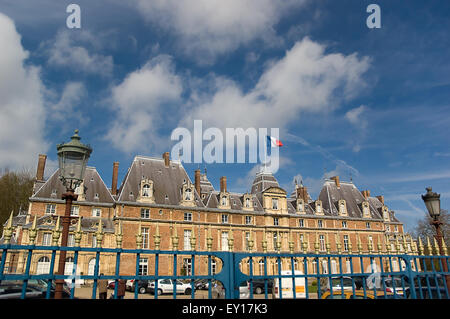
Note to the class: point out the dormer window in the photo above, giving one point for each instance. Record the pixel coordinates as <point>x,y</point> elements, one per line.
<point>342,207</point>
<point>385,213</point>
<point>365,208</point>
<point>188,194</point>
<point>319,207</point>
<point>300,205</point>
<point>224,201</point>
<point>247,202</point>
<point>146,190</point>
<point>274,203</point>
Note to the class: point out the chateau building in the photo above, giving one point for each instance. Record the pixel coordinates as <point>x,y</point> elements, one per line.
<point>158,207</point>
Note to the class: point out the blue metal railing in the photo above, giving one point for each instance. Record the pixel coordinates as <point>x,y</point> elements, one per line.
<point>419,276</point>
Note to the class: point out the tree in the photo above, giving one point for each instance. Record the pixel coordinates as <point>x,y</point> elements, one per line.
<point>424,228</point>
<point>15,191</point>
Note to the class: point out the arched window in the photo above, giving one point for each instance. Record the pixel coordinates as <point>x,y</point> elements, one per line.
<point>43,265</point>
<point>91,267</point>
<point>261,267</point>
<point>68,269</point>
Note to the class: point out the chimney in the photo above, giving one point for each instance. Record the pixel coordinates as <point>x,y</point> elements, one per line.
<point>366,194</point>
<point>223,184</point>
<point>41,167</point>
<point>197,181</point>
<point>336,180</point>
<point>302,192</point>
<point>114,178</point>
<point>381,199</point>
<point>166,157</point>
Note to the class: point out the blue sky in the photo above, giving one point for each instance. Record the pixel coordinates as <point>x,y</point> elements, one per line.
<point>367,104</point>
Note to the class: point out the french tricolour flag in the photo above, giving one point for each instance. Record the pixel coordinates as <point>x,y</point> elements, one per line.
<point>273,142</point>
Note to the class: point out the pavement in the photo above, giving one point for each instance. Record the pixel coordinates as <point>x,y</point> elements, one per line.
<point>86,293</point>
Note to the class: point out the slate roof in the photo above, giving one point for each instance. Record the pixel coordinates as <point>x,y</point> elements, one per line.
<point>167,181</point>
<point>93,184</point>
<point>331,194</point>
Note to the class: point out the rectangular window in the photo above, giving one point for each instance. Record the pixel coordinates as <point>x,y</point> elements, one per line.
<point>275,240</point>
<point>345,242</point>
<point>96,212</point>
<point>301,223</point>
<point>322,242</point>
<point>348,265</point>
<point>75,211</point>
<point>224,219</point>
<point>275,221</point>
<point>71,240</point>
<point>145,237</point>
<point>274,203</point>
<point>94,241</point>
<point>320,224</point>
<point>247,237</point>
<point>224,241</point>
<point>187,239</point>
<point>344,224</point>
<point>188,217</point>
<point>367,225</point>
<point>248,220</point>
<point>50,209</point>
<point>187,264</point>
<point>145,213</point>
<point>47,239</point>
<point>143,266</point>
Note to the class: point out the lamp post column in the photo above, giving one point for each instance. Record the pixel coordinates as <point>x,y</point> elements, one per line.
<point>440,238</point>
<point>69,197</point>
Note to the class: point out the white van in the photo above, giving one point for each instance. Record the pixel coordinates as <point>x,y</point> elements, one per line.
<point>286,286</point>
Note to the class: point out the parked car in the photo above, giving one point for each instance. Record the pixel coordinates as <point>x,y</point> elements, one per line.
<point>10,290</point>
<point>427,293</point>
<point>36,289</point>
<point>287,289</point>
<point>357,294</point>
<point>390,282</point>
<point>111,284</point>
<point>259,285</point>
<point>430,286</point>
<point>337,284</point>
<point>244,290</point>
<point>165,286</point>
<point>201,284</point>
<point>142,285</point>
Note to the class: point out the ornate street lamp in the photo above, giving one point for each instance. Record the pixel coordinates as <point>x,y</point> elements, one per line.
<point>73,157</point>
<point>433,203</point>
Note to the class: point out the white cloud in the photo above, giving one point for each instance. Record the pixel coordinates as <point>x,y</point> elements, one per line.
<point>139,100</point>
<point>419,177</point>
<point>69,50</point>
<point>305,79</point>
<point>208,28</point>
<point>23,116</point>
<point>355,116</point>
<point>70,97</point>
<point>358,118</point>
